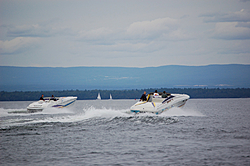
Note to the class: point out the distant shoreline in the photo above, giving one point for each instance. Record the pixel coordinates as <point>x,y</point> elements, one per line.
<point>127,94</point>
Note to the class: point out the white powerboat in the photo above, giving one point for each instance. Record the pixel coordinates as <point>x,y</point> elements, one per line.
<point>157,104</point>
<point>56,102</point>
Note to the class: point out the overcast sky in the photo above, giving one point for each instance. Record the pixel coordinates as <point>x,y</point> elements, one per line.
<point>129,33</point>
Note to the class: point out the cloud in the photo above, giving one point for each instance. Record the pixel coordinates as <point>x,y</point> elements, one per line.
<point>138,32</point>
<point>102,36</point>
<point>17,45</point>
<point>239,16</point>
<point>231,25</point>
<point>235,47</point>
<point>161,29</point>
<point>231,31</point>
<point>171,32</point>
<point>37,30</point>
<point>151,29</point>
<point>135,47</point>
<point>243,24</point>
<point>143,36</point>
<point>178,35</point>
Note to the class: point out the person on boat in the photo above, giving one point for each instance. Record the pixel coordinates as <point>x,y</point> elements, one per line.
<point>41,98</point>
<point>156,94</point>
<point>53,98</point>
<point>164,95</point>
<point>143,97</point>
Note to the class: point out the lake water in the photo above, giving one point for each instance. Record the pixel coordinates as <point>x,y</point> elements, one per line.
<point>203,132</point>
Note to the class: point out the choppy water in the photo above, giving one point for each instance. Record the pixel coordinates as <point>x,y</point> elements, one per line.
<point>204,132</point>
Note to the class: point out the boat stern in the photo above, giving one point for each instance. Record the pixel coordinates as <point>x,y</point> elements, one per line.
<point>143,107</point>
<point>36,107</point>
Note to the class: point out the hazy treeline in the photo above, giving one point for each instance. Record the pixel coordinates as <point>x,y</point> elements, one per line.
<point>126,94</point>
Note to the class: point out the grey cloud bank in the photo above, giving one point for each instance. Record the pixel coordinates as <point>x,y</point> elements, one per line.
<point>124,33</point>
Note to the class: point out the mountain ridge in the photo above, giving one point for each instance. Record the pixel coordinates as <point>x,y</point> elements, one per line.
<point>61,78</point>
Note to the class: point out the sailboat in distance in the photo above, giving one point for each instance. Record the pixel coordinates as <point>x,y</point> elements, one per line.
<point>98,97</point>
<point>110,97</point>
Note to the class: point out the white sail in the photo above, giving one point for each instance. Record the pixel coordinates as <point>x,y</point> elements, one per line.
<point>99,97</point>
<point>110,97</point>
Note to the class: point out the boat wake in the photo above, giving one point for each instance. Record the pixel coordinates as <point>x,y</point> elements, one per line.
<point>21,117</point>
<point>181,112</point>
<point>90,115</point>
<point>24,112</point>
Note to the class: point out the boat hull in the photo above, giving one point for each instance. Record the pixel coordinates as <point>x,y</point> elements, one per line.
<point>159,105</point>
<point>61,102</point>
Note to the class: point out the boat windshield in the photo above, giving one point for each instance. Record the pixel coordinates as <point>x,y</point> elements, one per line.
<point>50,98</point>
<point>151,97</point>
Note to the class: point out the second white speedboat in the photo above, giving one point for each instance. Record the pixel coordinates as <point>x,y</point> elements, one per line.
<point>57,102</point>
<point>158,104</point>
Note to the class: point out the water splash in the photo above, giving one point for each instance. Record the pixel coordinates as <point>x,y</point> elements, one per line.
<point>181,112</point>
<point>92,112</point>
<point>105,115</point>
<point>119,116</point>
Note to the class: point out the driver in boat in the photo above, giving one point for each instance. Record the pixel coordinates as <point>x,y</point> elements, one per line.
<point>143,97</point>
<point>41,98</point>
<point>53,98</point>
<point>156,94</point>
<point>164,95</point>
